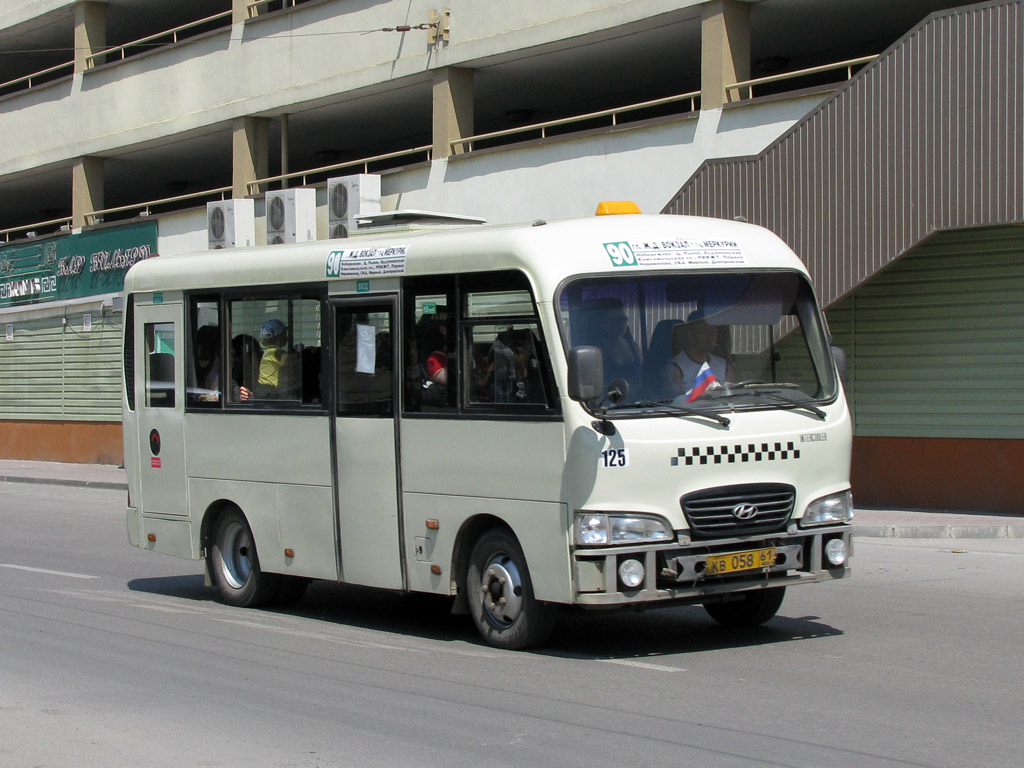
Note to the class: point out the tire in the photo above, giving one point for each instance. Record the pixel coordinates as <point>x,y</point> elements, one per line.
<point>751,609</point>
<point>500,594</point>
<point>235,565</point>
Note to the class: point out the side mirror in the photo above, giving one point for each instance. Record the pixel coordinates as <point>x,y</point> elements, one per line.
<point>586,373</point>
<point>839,357</point>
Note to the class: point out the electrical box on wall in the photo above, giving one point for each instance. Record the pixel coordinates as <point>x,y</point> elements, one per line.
<point>291,216</point>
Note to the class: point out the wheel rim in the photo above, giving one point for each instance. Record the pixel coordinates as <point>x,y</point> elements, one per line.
<point>502,590</point>
<point>235,549</point>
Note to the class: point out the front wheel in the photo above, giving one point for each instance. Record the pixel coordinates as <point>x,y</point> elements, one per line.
<point>500,593</point>
<point>235,566</point>
<point>751,609</point>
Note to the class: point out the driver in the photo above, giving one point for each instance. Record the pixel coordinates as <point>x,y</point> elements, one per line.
<point>699,341</point>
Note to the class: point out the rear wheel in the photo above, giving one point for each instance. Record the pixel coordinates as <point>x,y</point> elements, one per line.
<point>500,593</point>
<point>751,609</point>
<point>235,565</point>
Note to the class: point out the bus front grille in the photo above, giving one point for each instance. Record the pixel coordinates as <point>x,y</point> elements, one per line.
<point>738,510</point>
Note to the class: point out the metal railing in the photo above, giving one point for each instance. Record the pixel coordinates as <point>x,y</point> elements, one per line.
<point>251,7</point>
<point>28,230</point>
<point>36,75</point>
<point>96,217</point>
<point>849,64</point>
<point>255,187</point>
<point>614,113</point>
<point>91,59</point>
<point>144,209</point>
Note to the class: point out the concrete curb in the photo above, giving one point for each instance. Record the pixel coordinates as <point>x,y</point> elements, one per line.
<point>102,484</point>
<point>999,531</point>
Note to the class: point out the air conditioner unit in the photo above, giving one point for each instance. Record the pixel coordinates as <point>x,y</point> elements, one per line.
<point>349,197</point>
<point>291,216</point>
<point>231,223</point>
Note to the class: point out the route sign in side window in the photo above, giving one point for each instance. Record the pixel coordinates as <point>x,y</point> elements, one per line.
<point>363,361</point>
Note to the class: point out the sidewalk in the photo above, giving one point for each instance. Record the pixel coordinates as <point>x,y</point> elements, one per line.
<point>56,473</point>
<point>876,523</point>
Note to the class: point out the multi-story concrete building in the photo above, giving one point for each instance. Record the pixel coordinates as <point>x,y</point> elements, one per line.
<point>882,140</point>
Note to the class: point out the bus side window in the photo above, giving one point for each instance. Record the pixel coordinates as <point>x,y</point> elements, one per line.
<point>275,351</point>
<point>430,363</point>
<point>205,356</point>
<point>159,365</point>
<point>507,367</point>
<point>364,362</point>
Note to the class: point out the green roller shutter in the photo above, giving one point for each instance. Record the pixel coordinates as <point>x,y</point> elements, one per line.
<point>936,341</point>
<point>52,371</point>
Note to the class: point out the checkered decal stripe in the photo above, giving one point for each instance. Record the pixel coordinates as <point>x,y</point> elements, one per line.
<point>735,454</point>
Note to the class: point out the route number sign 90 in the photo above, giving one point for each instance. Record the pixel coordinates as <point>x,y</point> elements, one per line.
<point>621,254</point>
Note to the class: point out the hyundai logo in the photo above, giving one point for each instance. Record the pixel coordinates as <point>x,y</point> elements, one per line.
<point>744,511</point>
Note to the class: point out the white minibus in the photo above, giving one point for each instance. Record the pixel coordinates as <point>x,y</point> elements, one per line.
<point>623,411</point>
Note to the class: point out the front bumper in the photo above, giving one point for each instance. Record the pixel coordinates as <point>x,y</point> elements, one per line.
<point>674,572</point>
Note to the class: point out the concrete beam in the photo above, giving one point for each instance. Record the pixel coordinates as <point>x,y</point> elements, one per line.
<point>452,110</point>
<point>724,49</point>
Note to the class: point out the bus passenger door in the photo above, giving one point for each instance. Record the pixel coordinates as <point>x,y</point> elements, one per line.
<point>366,470</point>
<point>160,396</point>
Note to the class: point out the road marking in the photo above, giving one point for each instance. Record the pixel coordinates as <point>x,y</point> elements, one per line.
<point>643,665</point>
<point>370,642</point>
<point>43,570</point>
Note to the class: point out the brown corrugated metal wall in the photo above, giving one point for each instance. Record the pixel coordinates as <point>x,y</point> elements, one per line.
<point>928,137</point>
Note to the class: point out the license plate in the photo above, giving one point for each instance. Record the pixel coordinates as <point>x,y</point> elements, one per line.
<point>740,561</point>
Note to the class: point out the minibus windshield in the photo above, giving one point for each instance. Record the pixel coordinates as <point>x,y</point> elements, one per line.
<point>707,341</point>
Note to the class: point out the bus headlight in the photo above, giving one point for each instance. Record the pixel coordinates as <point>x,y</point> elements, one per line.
<point>829,510</point>
<point>600,529</point>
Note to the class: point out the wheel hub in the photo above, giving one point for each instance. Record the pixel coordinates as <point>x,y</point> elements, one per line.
<point>235,556</point>
<point>502,590</point>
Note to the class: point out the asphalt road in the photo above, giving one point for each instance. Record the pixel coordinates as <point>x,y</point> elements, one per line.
<point>111,656</point>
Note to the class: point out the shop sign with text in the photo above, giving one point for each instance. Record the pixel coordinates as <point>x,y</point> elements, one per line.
<point>73,266</point>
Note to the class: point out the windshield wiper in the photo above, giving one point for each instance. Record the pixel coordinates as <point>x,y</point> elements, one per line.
<point>756,388</point>
<point>723,420</point>
<point>751,383</point>
<point>791,403</point>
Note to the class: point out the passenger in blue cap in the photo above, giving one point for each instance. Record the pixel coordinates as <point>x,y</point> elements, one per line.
<point>277,375</point>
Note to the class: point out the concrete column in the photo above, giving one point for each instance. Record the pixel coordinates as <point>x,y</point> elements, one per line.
<point>90,32</point>
<point>724,49</point>
<point>86,189</point>
<point>284,149</point>
<point>239,11</point>
<point>453,109</point>
<point>250,137</point>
